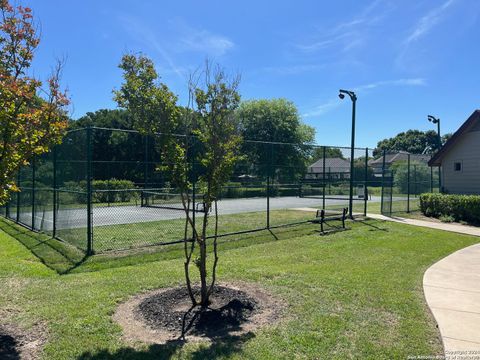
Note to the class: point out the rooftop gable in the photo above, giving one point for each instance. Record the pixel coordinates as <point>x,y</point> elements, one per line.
<point>331,163</point>
<point>472,123</point>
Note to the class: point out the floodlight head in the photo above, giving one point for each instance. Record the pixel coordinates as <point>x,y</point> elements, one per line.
<point>342,94</point>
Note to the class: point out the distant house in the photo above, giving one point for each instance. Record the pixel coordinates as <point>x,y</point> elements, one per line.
<point>335,168</point>
<point>459,159</point>
<point>390,159</point>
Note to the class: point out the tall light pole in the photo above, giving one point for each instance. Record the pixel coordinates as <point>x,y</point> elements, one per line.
<point>435,120</point>
<point>353,97</point>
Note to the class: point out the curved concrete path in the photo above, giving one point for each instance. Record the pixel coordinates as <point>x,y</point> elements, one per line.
<point>452,290</point>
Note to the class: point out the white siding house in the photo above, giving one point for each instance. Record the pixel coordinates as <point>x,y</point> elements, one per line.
<point>335,168</point>
<point>459,159</point>
<point>390,159</point>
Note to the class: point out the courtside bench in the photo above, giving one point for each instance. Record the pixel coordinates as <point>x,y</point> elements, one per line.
<point>323,216</point>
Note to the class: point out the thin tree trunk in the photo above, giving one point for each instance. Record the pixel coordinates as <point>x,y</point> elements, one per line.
<point>188,256</point>
<point>215,251</point>
<point>203,260</point>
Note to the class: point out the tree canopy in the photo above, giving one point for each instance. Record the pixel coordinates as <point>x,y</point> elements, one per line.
<point>32,116</point>
<point>412,141</point>
<point>106,118</point>
<point>275,120</point>
<point>330,152</point>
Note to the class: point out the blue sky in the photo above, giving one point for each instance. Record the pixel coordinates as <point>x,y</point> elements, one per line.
<point>405,59</point>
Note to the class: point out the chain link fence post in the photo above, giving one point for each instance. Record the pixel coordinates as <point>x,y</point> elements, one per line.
<point>55,194</point>
<point>324,152</point>
<point>415,190</point>
<point>89,192</point>
<point>269,175</point>
<point>408,183</point>
<point>365,186</point>
<point>145,168</point>
<point>382,210</point>
<point>33,192</point>
<point>18,196</point>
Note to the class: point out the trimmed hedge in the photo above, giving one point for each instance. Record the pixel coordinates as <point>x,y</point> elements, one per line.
<point>104,191</point>
<point>234,192</point>
<point>460,207</point>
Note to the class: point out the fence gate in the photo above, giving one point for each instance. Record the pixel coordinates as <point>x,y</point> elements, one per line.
<point>387,192</point>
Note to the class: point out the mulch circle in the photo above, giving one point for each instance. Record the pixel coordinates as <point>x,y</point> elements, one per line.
<point>228,310</point>
<point>235,309</point>
<point>8,345</point>
<point>15,344</point>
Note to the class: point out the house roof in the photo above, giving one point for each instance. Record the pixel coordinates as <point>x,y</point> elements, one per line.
<point>468,125</point>
<point>399,156</point>
<point>331,164</point>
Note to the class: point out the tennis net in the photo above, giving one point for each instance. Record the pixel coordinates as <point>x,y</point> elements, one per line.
<point>167,200</point>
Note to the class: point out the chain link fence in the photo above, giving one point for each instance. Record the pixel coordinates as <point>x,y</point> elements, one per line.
<point>404,177</point>
<point>107,189</point>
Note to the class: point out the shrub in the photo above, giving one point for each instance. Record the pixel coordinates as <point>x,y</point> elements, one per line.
<point>75,191</point>
<point>447,218</point>
<point>232,192</point>
<point>459,207</point>
<point>113,190</point>
<point>104,191</point>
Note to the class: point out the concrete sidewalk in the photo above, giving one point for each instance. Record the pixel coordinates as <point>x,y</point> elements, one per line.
<point>457,228</point>
<point>452,290</point>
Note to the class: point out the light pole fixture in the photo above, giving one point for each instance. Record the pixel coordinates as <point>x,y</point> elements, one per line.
<point>353,97</point>
<point>435,120</point>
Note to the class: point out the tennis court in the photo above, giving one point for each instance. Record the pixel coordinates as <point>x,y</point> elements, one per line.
<point>129,214</point>
<point>107,189</point>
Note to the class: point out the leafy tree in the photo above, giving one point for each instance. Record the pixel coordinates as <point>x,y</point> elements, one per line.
<point>275,120</point>
<point>330,152</point>
<point>359,171</point>
<point>32,117</point>
<point>419,177</point>
<point>116,149</point>
<point>121,119</point>
<point>412,141</point>
<point>105,118</point>
<point>113,151</point>
<point>213,126</point>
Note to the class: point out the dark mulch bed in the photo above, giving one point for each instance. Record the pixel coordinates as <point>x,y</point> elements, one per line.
<point>9,345</point>
<point>229,309</point>
<point>17,344</point>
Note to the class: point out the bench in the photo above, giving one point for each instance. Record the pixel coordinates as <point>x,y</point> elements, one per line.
<point>323,216</point>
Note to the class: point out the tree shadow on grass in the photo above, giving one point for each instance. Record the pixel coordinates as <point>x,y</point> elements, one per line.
<point>54,254</point>
<point>65,258</point>
<point>219,347</point>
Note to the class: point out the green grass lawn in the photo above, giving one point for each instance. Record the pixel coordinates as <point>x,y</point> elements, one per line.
<point>352,294</point>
